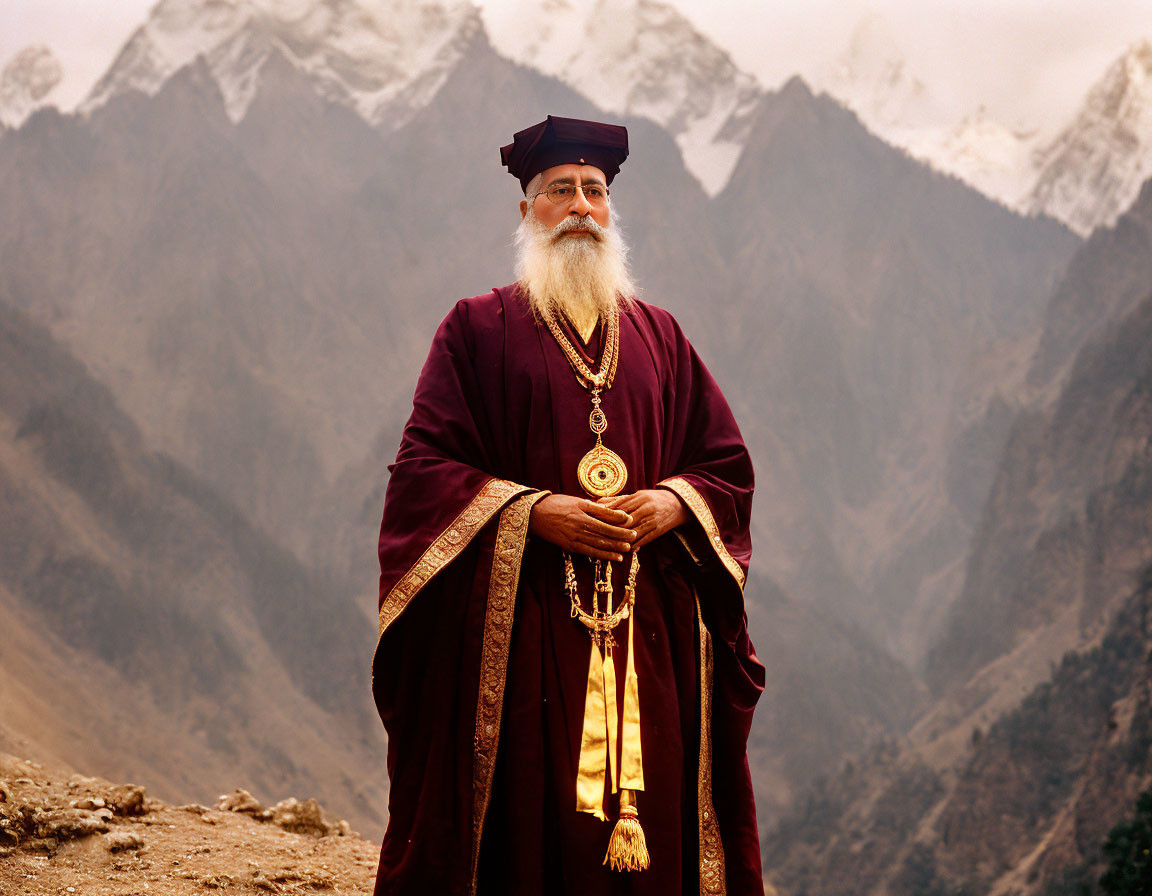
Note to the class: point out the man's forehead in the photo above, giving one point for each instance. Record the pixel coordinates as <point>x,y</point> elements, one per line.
<point>573,174</point>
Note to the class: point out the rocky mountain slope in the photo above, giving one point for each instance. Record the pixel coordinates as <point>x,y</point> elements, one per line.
<point>860,316</point>
<point>136,599</point>
<point>1038,740</point>
<point>1024,809</point>
<point>1066,449</point>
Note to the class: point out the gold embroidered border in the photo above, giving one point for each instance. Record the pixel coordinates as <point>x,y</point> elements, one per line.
<point>712,881</point>
<point>494,494</point>
<point>509,551</point>
<point>699,507</point>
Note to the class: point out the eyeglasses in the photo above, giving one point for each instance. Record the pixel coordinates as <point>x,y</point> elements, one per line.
<point>562,194</point>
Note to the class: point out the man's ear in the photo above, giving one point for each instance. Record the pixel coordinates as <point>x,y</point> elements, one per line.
<point>523,207</point>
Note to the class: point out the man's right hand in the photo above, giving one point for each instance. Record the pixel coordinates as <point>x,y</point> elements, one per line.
<point>580,526</point>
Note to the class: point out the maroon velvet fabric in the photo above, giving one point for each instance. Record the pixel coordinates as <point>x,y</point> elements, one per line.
<point>498,399</point>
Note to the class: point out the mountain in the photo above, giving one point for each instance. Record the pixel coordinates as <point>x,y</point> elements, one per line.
<point>1085,174</point>
<point>819,704</point>
<point>1041,551</point>
<point>1037,741</point>
<point>872,76</point>
<point>651,63</point>
<point>1024,810</point>
<point>1093,170</point>
<point>383,61</point>
<point>150,629</point>
<point>387,61</point>
<point>856,314</point>
<point>1104,282</point>
<point>982,151</point>
<point>27,82</point>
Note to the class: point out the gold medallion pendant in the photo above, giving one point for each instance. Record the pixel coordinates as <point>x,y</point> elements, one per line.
<point>602,472</point>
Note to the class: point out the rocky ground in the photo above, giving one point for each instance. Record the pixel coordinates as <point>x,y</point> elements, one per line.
<point>62,834</point>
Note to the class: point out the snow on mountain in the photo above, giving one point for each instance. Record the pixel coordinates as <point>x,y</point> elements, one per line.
<point>27,82</point>
<point>642,58</point>
<point>1092,171</point>
<point>1085,176</point>
<point>983,152</point>
<point>387,58</point>
<point>873,78</point>
<point>383,58</point>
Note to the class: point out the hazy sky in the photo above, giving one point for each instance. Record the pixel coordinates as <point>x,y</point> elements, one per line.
<point>1028,61</point>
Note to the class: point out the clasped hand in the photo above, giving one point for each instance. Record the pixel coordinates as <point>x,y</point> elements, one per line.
<point>608,528</point>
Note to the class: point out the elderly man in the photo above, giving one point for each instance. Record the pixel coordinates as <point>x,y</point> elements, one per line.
<point>564,668</point>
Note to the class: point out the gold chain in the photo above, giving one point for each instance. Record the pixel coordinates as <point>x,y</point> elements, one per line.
<point>601,472</point>
<point>602,378</point>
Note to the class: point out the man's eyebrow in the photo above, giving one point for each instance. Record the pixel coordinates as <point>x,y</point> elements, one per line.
<point>572,181</point>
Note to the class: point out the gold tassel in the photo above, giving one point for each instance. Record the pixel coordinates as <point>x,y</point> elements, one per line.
<point>627,850</point>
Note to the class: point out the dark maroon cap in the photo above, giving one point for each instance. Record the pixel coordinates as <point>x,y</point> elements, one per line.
<point>563,141</point>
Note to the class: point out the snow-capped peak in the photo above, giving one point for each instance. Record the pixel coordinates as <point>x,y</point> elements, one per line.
<point>873,78</point>
<point>642,58</point>
<point>983,152</point>
<point>381,57</point>
<point>1093,170</point>
<point>27,82</point>
<point>1087,176</point>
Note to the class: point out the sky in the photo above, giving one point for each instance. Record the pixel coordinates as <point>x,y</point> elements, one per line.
<point>1029,62</point>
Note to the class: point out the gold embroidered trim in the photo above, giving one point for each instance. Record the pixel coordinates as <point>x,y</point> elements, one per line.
<point>509,551</point>
<point>712,882</point>
<point>699,507</point>
<point>494,494</point>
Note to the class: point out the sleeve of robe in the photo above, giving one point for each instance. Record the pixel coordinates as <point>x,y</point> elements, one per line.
<point>713,476</point>
<point>442,510</point>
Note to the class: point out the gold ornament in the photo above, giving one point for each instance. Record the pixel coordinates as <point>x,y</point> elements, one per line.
<point>601,472</point>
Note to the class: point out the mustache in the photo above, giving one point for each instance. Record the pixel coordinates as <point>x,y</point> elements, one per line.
<point>582,223</point>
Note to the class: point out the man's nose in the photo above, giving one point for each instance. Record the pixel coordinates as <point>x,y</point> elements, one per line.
<point>580,206</point>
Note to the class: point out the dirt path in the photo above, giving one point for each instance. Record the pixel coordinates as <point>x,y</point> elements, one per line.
<point>64,835</point>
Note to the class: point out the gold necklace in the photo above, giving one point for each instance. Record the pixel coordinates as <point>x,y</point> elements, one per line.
<point>601,472</point>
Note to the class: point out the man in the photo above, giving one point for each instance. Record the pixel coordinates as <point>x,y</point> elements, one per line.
<point>564,668</point>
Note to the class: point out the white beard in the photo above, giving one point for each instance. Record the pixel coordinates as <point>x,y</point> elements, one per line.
<point>583,276</point>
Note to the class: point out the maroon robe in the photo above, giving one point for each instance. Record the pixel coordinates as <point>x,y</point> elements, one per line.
<point>480,671</point>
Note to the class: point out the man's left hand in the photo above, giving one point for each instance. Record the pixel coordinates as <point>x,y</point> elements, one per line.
<point>654,511</point>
